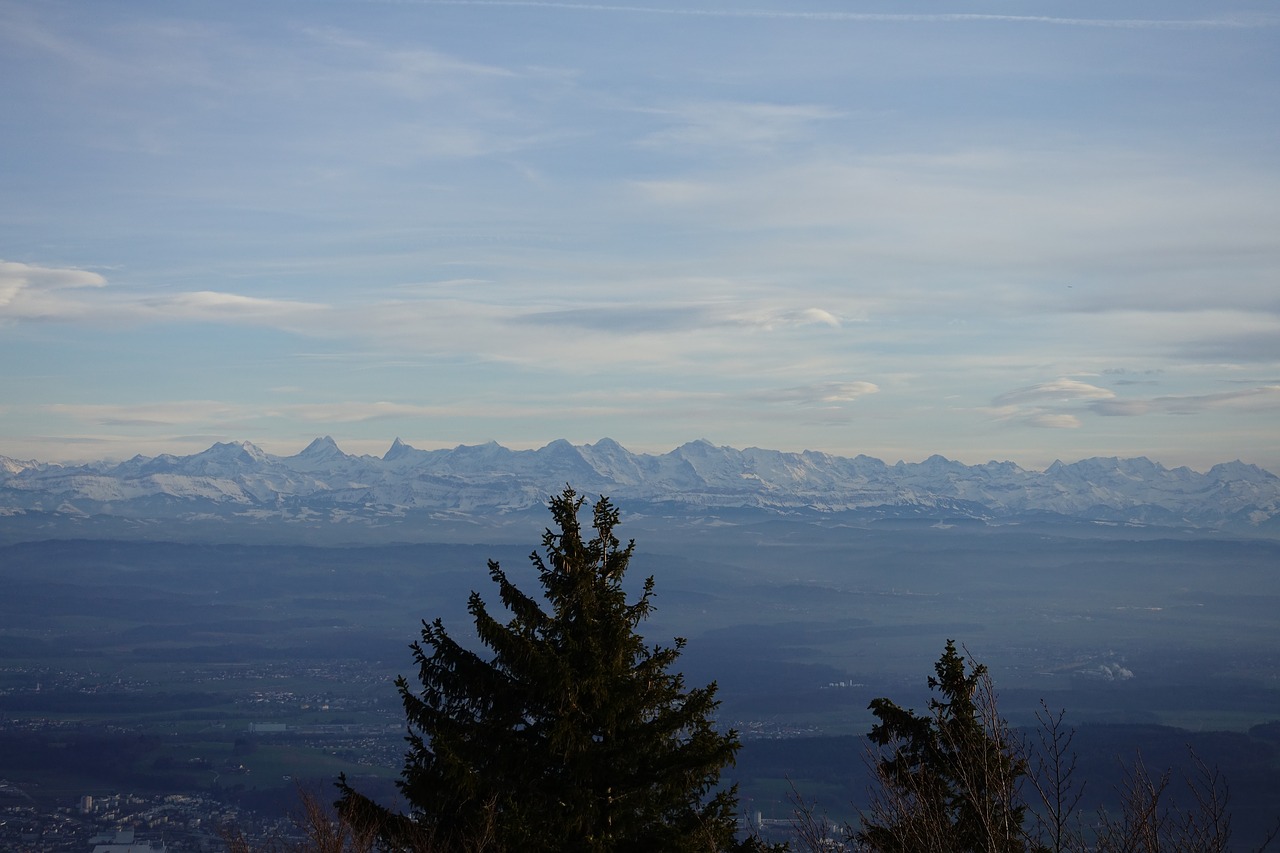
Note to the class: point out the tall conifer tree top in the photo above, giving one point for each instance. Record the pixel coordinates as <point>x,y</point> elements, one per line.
<point>951,775</point>
<point>570,733</point>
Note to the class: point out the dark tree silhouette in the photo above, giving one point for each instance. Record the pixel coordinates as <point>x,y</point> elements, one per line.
<point>948,779</point>
<point>570,733</point>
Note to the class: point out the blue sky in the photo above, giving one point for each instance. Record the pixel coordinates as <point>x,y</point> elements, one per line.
<point>1002,230</point>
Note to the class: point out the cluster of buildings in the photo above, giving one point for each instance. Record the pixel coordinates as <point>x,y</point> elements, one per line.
<point>772,729</point>
<point>126,823</point>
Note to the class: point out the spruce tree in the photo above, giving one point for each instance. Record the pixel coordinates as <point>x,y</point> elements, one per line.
<point>948,778</point>
<point>570,733</point>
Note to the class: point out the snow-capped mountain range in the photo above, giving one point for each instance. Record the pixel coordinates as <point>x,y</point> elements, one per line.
<point>239,479</point>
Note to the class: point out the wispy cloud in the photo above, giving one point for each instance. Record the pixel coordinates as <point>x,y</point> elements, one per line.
<point>632,319</point>
<point>624,319</point>
<point>419,71</point>
<point>1236,21</point>
<point>166,413</point>
<point>1260,398</point>
<point>355,412</point>
<point>1057,390</point>
<point>770,319</point>
<point>758,220</point>
<point>1085,216</point>
<point>726,126</point>
<point>1050,420</point>
<point>29,292</point>
<point>51,294</point>
<point>1230,332</point>
<point>1047,405</point>
<point>1059,404</point>
<point>215,413</point>
<point>822,393</point>
<point>211,306</point>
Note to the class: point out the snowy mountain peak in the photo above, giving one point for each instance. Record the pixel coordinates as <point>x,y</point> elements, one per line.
<point>323,448</point>
<point>938,462</point>
<point>235,450</point>
<point>1238,470</point>
<point>231,452</point>
<point>238,477</point>
<point>13,466</point>
<point>397,450</point>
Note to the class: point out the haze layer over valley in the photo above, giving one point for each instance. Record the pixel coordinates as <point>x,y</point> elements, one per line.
<point>220,596</point>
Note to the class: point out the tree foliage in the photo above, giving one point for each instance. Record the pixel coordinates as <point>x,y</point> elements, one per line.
<point>951,781</point>
<point>570,733</point>
<point>948,778</point>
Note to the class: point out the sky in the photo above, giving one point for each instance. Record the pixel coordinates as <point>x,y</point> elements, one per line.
<point>1005,230</point>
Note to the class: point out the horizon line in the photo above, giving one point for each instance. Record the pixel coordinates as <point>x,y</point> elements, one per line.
<point>531,449</point>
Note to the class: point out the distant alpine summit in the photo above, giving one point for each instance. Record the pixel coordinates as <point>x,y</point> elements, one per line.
<point>239,480</point>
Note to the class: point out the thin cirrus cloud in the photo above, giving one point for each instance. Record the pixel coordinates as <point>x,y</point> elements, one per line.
<point>440,326</point>
<point>480,329</point>
<point>1042,405</point>
<point>1260,398</point>
<point>1233,21</point>
<point>208,305</point>
<point>729,125</point>
<point>1095,212</point>
<point>1233,332</point>
<point>624,318</point>
<point>635,319</point>
<point>773,319</point>
<point>50,294</point>
<point>178,413</point>
<point>818,394</point>
<point>1053,420</point>
<point>357,412</point>
<point>166,413</point>
<point>765,221</point>
<point>183,412</point>
<point>416,72</point>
